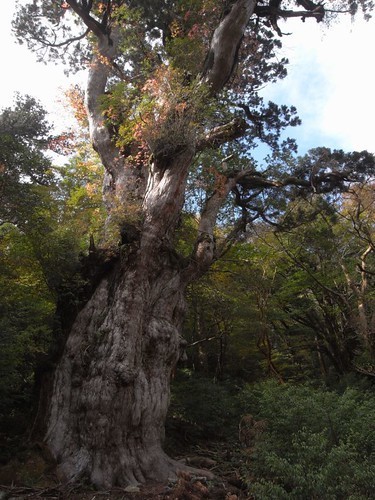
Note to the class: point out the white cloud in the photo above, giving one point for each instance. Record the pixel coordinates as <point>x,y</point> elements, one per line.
<point>331,80</point>
<point>21,73</point>
<point>350,69</point>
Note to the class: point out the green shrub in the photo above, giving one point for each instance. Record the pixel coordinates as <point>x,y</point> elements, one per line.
<point>202,409</point>
<point>319,444</point>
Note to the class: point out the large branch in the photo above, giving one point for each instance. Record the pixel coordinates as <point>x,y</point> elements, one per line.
<point>225,43</point>
<point>227,37</point>
<point>83,12</point>
<point>101,66</point>
<point>273,12</point>
<point>222,134</point>
<point>205,251</point>
<point>264,11</point>
<point>324,182</point>
<point>64,43</point>
<point>122,183</point>
<point>99,71</point>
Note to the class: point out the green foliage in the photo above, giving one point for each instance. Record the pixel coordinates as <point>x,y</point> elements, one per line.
<point>120,108</point>
<point>26,303</point>
<point>322,288</point>
<point>78,195</point>
<point>26,317</point>
<point>46,217</point>
<point>201,409</point>
<point>164,113</point>
<point>42,20</point>
<point>318,443</point>
<point>186,53</point>
<point>24,167</point>
<point>288,303</point>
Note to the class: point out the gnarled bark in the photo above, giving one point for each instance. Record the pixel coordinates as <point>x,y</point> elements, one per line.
<point>225,44</point>
<point>111,387</point>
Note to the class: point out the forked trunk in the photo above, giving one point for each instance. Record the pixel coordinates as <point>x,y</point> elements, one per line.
<point>111,388</point>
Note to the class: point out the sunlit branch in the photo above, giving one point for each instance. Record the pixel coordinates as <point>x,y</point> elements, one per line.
<point>249,179</point>
<point>225,43</point>
<point>207,339</point>
<point>222,134</point>
<point>206,250</point>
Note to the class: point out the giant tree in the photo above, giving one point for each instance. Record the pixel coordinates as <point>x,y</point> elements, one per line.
<point>173,108</point>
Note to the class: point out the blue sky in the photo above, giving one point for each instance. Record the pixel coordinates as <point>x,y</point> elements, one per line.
<point>331,80</point>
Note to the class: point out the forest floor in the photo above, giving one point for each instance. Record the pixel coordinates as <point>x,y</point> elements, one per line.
<point>32,478</point>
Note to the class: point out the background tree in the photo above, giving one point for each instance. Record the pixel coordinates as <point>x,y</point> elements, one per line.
<point>295,303</point>
<point>46,219</point>
<point>160,121</point>
<point>25,169</point>
<point>26,302</point>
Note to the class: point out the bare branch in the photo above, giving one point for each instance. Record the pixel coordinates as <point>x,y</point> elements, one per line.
<point>67,42</point>
<point>273,12</point>
<point>207,339</point>
<point>250,179</point>
<point>369,372</point>
<point>254,182</point>
<point>267,12</point>
<point>205,250</point>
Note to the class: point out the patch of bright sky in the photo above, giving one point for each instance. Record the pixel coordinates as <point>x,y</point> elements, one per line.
<point>331,80</point>
<point>21,73</point>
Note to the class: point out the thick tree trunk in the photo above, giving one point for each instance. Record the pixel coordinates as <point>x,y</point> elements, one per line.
<point>112,385</point>
<point>111,388</point>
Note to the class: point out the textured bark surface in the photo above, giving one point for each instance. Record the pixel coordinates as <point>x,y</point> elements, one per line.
<point>111,387</point>
<point>225,44</point>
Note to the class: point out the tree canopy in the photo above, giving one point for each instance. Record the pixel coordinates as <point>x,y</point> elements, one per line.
<point>175,114</point>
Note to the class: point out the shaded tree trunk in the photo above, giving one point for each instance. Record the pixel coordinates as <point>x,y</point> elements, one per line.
<point>111,387</point>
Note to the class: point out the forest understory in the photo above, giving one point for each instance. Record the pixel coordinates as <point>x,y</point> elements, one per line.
<point>181,266</point>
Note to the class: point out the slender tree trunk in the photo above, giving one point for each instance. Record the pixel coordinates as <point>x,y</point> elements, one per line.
<point>322,364</point>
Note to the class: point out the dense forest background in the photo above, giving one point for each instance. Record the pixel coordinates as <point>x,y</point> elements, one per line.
<point>277,382</point>
<point>273,391</point>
